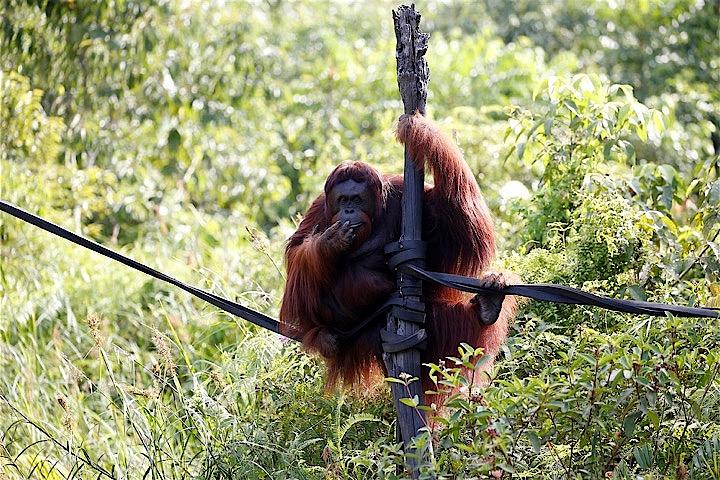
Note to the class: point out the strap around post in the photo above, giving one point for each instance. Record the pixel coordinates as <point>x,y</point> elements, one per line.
<point>401,253</point>
<point>392,342</point>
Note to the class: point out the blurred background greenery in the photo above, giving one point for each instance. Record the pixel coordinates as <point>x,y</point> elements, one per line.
<point>191,135</point>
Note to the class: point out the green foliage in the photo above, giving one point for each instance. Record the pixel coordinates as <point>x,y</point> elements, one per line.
<point>634,401</point>
<point>189,135</point>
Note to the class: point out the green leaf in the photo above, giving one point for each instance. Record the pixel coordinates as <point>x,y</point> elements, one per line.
<point>411,402</point>
<point>394,380</point>
<point>174,139</point>
<point>352,421</point>
<point>637,292</point>
<point>626,89</point>
<point>547,126</point>
<point>713,196</point>
<point>510,152</point>
<point>535,126</point>
<point>607,149</point>
<point>521,150</point>
<point>542,85</point>
<point>656,120</point>
<point>534,440</point>
<point>622,115</point>
<point>483,360</point>
<point>654,419</point>
<point>641,132</point>
<point>642,380</point>
<point>572,106</point>
<point>667,172</point>
<point>630,151</point>
<point>669,224</point>
<point>643,456</point>
<point>629,424</point>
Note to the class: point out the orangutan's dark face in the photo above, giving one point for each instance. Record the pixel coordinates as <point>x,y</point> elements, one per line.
<point>353,202</point>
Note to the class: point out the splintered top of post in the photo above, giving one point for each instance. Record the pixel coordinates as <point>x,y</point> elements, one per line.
<point>412,68</point>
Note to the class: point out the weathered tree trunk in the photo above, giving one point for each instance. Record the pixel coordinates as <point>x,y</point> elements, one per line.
<point>405,326</point>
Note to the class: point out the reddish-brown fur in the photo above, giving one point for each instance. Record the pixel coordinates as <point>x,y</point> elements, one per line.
<point>326,292</point>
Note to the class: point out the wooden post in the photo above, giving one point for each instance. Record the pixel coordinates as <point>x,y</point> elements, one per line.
<point>413,74</point>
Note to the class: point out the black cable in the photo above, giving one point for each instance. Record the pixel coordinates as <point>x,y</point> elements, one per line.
<point>547,292</point>
<point>229,306</point>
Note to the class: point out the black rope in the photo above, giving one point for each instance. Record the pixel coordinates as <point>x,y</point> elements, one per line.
<point>547,292</point>
<point>229,306</point>
<point>543,292</point>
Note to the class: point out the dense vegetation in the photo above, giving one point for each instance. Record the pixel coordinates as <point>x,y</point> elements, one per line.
<point>190,135</point>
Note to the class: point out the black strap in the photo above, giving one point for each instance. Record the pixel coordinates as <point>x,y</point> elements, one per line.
<point>409,310</point>
<point>394,300</point>
<point>229,306</point>
<point>563,294</point>
<point>393,342</point>
<point>402,251</point>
